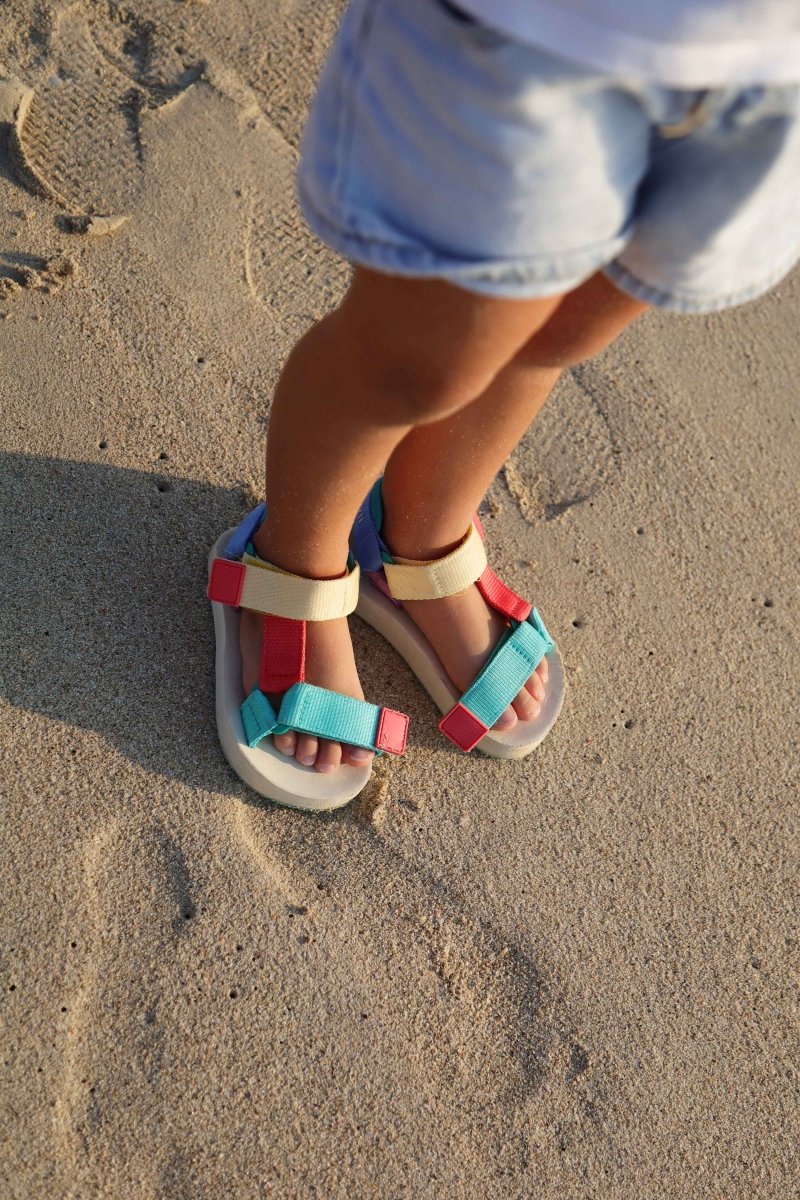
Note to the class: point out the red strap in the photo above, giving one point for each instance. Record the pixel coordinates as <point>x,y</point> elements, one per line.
<point>462,727</point>
<point>283,654</point>
<point>495,592</point>
<point>392,731</point>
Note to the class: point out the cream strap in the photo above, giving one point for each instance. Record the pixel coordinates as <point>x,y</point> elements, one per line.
<point>268,589</point>
<point>410,580</point>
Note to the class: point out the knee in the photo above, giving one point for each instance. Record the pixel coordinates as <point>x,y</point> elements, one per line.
<point>419,391</point>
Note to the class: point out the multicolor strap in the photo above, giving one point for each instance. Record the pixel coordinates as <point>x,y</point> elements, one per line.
<point>517,654</point>
<point>324,713</point>
<point>287,602</point>
<point>266,589</point>
<point>515,658</point>
<point>502,598</point>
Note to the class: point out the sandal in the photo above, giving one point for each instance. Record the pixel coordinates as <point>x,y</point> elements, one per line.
<point>239,579</point>
<point>467,719</point>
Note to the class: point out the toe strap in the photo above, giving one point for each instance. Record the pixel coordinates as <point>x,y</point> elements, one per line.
<point>515,659</point>
<point>259,718</point>
<point>306,708</point>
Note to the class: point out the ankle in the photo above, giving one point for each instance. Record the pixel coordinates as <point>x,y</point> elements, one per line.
<point>299,557</point>
<point>424,538</point>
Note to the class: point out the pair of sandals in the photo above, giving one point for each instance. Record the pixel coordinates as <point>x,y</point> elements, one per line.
<point>374,586</point>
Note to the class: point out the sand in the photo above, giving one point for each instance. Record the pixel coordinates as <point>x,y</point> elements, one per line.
<point>570,978</point>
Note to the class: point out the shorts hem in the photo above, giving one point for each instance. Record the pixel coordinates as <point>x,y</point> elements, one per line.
<point>518,279</point>
<point>682,302</point>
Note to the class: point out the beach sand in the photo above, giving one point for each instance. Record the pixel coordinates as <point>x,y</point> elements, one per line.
<point>574,977</point>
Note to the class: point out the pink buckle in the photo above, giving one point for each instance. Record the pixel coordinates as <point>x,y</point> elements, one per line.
<point>462,727</point>
<point>501,597</point>
<point>392,731</point>
<point>283,654</point>
<point>226,581</point>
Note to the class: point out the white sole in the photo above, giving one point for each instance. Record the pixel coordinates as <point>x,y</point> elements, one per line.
<point>401,632</point>
<point>272,774</point>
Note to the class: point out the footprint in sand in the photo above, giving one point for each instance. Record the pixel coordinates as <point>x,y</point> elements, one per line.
<point>137,908</point>
<point>78,136</point>
<point>287,270</point>
<point>283,63</point>
<point>568,455</point>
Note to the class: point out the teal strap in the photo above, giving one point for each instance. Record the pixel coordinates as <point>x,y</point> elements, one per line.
<point>515,659</point>
<point>316,710</point>
<point>258,718</point>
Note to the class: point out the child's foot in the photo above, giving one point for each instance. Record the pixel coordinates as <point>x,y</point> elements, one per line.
<point>464,630</point>
<point>329,664</point>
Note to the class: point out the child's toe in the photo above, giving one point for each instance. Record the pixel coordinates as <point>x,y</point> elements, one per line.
<point>543,670</point>
<point>286,743</point>
<point>356,756</point>
<point>329,756</point>
<point>506,720</point>
<point>524,705</point>
<point>306,751</point>
<point>535,688</point>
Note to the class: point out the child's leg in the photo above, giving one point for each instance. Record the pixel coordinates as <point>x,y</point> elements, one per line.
<point>438,474</point>
<point>398,353</point>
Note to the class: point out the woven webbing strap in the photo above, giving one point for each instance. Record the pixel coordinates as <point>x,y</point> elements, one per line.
<point>269,590</point>
<point>442,576</point>
<point>318,711</point>
<point>259,586</point>
<point>516,657</point>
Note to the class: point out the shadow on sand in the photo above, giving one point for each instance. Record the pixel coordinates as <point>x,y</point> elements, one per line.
<point>105,623</point>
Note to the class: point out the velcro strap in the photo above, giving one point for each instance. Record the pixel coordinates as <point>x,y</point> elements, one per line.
<point>502,598</point>
<point>283,653</point>
<point>516,658</point>
<point>258,718</point>
<point>410,580</point>
<point>266,589</point>
<point>319,711</point>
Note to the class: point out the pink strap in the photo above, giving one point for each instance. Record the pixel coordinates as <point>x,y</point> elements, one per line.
<point>462,727</point>
<point>501,597</point>
<point>496,593</point>
<point>283,654</point>
<point>392,731</point>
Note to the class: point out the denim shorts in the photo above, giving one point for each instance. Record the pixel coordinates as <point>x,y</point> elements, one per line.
<point>439,148</point>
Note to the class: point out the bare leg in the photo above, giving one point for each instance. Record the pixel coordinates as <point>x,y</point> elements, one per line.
<point>397,354</point>
<point>438,474</point>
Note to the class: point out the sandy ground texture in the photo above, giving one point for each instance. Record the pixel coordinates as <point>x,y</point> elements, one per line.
<point>569,978</point>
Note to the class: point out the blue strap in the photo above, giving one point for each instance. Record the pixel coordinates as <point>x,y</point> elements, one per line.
<point>316,710</point>
<point>258,718</point>
<point>244,532</point>
<point>516,657</point>
<point>309,709</point>
<point>368,546</point>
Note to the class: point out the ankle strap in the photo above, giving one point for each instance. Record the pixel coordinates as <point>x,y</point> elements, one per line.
<point>263,588</point>
<point>410,580</point>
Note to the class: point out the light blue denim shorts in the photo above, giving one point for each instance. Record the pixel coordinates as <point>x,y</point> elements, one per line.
<point>439,148</point>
